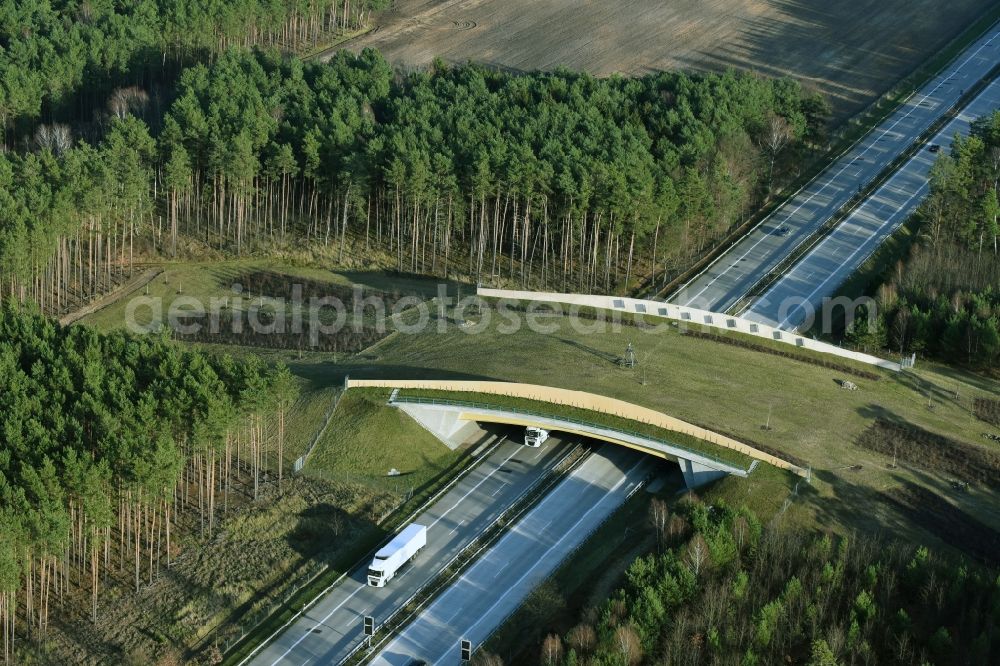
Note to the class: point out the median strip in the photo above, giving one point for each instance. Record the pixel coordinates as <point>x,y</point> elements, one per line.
<point>834,221</point>
<point>269,628</point>
<point>410,609</point>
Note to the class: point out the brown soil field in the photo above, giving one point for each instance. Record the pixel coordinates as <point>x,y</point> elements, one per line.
<point>849,51</point>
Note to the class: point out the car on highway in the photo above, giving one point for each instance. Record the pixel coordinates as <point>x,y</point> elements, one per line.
<point>782,231</point>
<point>934,148</point>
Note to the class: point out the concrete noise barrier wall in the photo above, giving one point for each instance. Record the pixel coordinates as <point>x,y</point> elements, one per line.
<point>686,315</point>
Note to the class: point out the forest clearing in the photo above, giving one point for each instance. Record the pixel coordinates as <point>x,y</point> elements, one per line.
<point>851,52</point>
<point>686,375</point>
<point>166,497</point>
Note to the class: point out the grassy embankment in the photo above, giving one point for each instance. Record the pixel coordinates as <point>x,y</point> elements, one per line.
<point>365,439</point>
<point>586,417</point>
<point>723,387</point>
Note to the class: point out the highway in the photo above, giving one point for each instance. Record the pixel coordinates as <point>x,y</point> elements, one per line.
<point>731,276</point>
<point>794,299</point>
<point>327,632</point>
<point>499,581</point>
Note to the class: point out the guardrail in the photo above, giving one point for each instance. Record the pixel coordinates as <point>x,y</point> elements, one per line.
<point>471,404</point>
<point>473,463</point>
<point>842,214</point>
<point>470,553</point>
<point>639,486</point>
<point>867,120</point>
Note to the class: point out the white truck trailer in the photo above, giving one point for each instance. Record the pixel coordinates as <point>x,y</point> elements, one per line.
<point>391,557</point>
<point>535,437</point>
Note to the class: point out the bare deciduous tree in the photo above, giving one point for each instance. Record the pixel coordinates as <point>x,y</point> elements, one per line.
<point>171,657</point>
<point>777,134</point>
<point>697,554</point>
<point>127,100</point>
<point>552,650</point>
<point>677,526</point>
<point>56,137</point>
<point>627,643</point>
<point>214,655</point>
<point>582,638</point>
<point>618,611</point>
<point>740,530</point>
<point>659,516</point>
<point>483,658</point>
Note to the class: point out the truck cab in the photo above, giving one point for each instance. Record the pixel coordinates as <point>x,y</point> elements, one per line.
<point>535,437</point>
<point>378,576</point>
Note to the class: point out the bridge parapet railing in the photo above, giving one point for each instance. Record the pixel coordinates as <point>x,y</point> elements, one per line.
<point>472,404</point>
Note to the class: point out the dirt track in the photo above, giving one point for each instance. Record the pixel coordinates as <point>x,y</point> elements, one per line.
<point>851,51</point>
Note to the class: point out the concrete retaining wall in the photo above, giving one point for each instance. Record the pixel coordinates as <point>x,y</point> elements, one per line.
<point>697,469</point>
<point>449,426</point>
<point>583,400</point>
<point>682,314</point>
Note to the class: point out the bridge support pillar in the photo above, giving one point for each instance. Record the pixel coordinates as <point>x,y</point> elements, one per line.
<point>696,474</point>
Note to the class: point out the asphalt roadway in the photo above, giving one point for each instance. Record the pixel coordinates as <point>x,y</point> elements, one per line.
<point>499,581</point>
<point>731,276</point>
<point>332,627</point>
<point>797,298</point>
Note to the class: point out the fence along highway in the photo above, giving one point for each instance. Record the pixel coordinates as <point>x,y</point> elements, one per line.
<point>727,279</point>
<point>842,252</point>
<point>334,625</point>
<point>499,581</point>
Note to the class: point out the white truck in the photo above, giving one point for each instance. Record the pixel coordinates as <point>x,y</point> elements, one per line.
<point>391,557</point>
<point>535,437</point>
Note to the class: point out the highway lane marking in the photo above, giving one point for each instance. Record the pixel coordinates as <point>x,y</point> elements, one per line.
<point>890,188</point>
<point>542,559</point>
<point>851,163</point>
<point>464,577</point>
<point>808,298</point>
<point>357,590</point>
<point>316,626</point>
<point>832,237</point>
<point>474,489</point>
